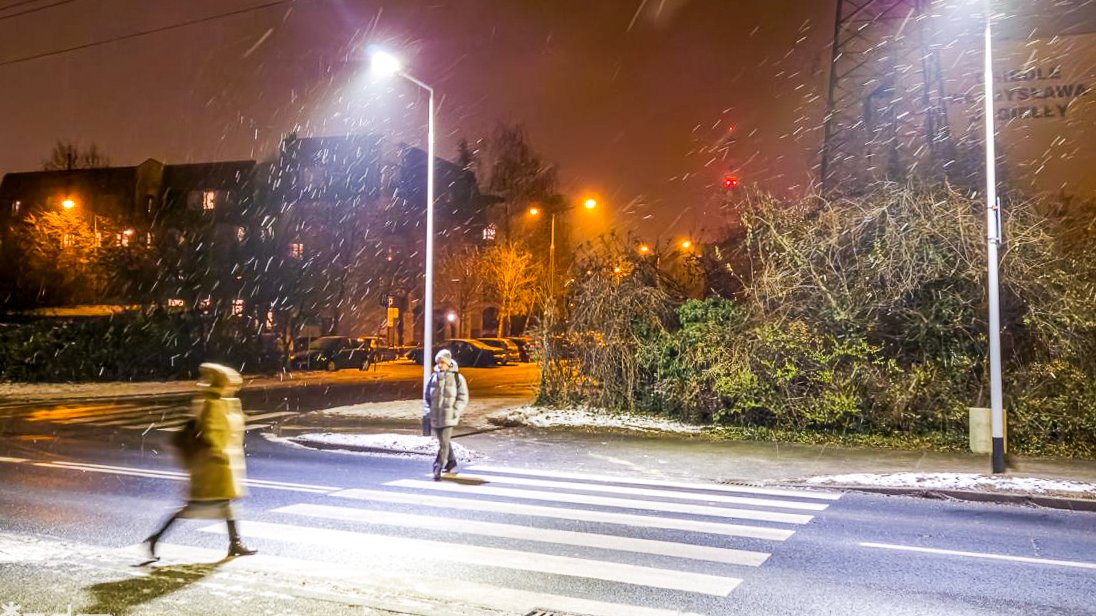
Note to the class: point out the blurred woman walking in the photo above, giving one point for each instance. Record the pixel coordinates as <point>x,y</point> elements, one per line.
<point>212,447</point>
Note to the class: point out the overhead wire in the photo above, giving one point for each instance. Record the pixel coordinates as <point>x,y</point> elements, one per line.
<point>141,33</point>
<point>15,4</point>
<point>32,10</point>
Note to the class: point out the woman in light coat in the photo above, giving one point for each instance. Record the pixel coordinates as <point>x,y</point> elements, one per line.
<point>445,398</point>
<point>216,465</point>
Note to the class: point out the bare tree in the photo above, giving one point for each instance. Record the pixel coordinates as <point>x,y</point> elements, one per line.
<point>461,278</point>
<point>511,276</point>
<point>67,155</point>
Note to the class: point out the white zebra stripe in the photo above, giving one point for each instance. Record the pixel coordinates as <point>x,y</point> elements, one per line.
<point>560,513</point>
<point>492,557</point>
<point>530,533</point>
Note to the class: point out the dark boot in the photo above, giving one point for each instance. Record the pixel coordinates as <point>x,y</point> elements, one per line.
<point>437,471</point>
<point>235,546</point>
<point>154,538</point>
<point>451,465</point>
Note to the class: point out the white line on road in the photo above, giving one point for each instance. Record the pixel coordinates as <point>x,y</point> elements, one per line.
<point>13,460</point>
<point>560,513</point>
<point>178,476</point>
<point>403,586</point>
<point>605,501</point>
<point>531,533</point>
<point>365,543</point>
<point>655,493</point>
<point>711,487</point>
<point>132,413</point>
<point>270,415</point>
<point>1019,559</point>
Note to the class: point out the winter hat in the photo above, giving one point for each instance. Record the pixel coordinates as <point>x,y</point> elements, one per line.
<point>218,379</point>
<point>443,354</point>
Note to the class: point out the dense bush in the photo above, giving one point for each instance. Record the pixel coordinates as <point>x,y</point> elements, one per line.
<point>128,347</point>
<point>854,316</point>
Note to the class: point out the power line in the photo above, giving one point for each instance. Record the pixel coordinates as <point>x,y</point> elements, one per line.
<point>134,35</point>
<point>15,4</point>
<point>35,9</point>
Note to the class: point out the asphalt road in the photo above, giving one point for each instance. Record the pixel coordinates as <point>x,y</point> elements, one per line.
<point>342,533</point>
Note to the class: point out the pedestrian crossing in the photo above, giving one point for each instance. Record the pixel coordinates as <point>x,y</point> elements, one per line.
<point>137,416</point>
<point>558,542</point>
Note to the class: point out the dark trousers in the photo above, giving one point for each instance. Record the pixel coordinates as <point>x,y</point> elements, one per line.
<point>446,458</point>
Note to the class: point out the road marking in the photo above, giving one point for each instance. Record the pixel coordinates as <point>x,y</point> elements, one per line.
<point>1019,559</point>
<point>129,412</point>
<point>12,460</point>
<point>179,476</point>
<point>403,586</point>
<point>559,513</point>
<point>611,489</point>
<point>726,556</point>
<point>139,423</point>
<point>605,501</point>
<point>711,487</point>
<point>366,543</point>
<point>270,415</point>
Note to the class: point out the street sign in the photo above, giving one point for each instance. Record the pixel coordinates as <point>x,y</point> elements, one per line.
<point>393,314</point>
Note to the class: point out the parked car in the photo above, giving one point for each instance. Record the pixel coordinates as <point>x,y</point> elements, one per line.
<point>513,353</point>
<point>467,352</point>
<point>525,346</point>
<point>333,353</point>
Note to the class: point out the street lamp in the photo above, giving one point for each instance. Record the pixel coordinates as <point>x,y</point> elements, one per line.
<point>387,64</point>
<point>68,204</point>
<point>589,204</point>
<point>993,240</point>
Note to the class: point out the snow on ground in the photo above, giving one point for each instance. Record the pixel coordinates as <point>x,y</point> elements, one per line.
<point>540,417</point>
<point>406,444</point>
<point>962,481</point>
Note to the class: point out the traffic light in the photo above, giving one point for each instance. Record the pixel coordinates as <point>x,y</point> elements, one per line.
<point>730,182</point>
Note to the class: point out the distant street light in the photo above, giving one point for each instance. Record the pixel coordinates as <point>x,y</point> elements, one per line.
<point>644,249</point>
<point>387,64</point>
<point>68,204</point>
<point>589,204</point>
<point>686,244</point>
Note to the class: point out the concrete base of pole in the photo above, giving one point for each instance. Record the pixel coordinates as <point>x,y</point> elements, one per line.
<point>998,455</point>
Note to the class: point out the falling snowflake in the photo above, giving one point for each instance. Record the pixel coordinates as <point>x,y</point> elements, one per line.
<point>9,609</point>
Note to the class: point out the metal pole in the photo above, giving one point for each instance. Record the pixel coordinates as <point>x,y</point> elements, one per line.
<point>993,239</point>
<point>428,308</point>
<point>552,262</point>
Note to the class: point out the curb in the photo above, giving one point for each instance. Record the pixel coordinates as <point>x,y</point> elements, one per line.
<point>1028,500</point>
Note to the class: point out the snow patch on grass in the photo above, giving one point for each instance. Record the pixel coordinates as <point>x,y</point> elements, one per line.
<point>541,417</point>
<point>962,481</point>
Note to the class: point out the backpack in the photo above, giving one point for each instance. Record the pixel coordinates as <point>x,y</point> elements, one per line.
<point>188,440</point>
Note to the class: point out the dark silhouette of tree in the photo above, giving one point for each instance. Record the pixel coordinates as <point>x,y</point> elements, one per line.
<point>67,155</point>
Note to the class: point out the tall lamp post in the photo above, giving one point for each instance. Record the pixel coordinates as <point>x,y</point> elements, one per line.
<point>387,64</point>
<point>993,239</point>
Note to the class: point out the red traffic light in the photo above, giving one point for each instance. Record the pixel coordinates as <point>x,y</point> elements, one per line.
<point>730,182</point>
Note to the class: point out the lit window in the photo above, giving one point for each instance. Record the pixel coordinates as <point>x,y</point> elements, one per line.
<point>237,307</point>
<point>489,232</point>
<point>67,240</point>
<point>209,200</point>
<point>241,233</point>
<point>296,250</point>
<point>15,207</point>
<point>175,303</point>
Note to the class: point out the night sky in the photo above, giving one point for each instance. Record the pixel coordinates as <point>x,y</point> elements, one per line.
<point>629,97</point>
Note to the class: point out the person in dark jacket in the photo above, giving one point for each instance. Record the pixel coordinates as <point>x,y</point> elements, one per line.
<point>216,465</point>
<point>445,397</point>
